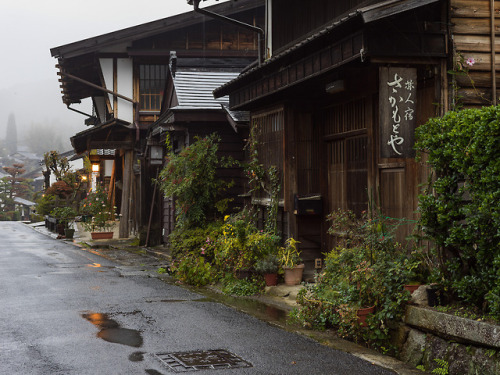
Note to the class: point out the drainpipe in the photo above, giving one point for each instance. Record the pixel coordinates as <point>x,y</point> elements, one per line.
<point>97,87</point>
<point>493,53</point>
<point>77,111</point>
<point>247,26</point>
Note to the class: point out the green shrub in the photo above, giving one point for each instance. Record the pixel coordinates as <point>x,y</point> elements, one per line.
<point>368,268</point>
<point>191,177</point>
<point>242,287</point>
<point>241,245</point>
<point>193,270</point>
<point>200,241</point>
<point>45,204</point>
<point>460,209</point>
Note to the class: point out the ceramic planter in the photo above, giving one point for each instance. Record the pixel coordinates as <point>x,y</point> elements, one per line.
<point>363,314</point>
<point>101,235</point>
<point>293,276</point>
<point>69,233</point>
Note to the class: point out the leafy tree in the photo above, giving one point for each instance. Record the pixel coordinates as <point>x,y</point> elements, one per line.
<point>56,164</point>
<point>19,186</point>
<point>11,187</point>
<point>68,182</point>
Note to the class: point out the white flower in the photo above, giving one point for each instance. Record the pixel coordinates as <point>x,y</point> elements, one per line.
<point>470,61</point>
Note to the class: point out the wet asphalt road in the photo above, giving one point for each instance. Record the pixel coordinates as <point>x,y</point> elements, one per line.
<point>66,310</point>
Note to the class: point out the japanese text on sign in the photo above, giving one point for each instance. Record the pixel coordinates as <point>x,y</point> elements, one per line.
<point>398,97</point>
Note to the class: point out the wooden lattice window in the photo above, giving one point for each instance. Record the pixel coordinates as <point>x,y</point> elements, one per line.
<point>268,128</point>
<point>347,147</point>
<point>151,85</point>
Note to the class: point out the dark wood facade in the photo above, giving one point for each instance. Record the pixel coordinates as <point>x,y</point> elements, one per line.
<point>351,92</point>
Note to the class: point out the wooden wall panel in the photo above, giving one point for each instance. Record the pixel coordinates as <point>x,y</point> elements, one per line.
<point>473,26</point>
<point>476,43</point>
<point>472,39</point>
<point>472,8</point>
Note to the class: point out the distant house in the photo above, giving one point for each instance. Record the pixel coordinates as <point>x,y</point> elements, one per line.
<point>24,207</point>
<point>346,83</point>
<point>125,73</point>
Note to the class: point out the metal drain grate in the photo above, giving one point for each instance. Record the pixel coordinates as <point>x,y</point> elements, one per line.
<point>201,360</point>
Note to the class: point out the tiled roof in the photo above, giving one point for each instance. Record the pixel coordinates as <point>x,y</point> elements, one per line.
<point>194,89</point>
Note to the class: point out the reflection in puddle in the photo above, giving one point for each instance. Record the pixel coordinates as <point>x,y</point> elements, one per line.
<point>112,332</point>
<point>154,300</point>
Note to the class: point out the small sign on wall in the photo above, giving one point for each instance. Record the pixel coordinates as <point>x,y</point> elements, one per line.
<point>398,104</point>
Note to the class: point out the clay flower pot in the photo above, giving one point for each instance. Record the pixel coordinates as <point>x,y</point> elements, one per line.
<point>101,235</point>
<point>293,276</point>
<point>363,314</point>
<point>411,287</point>
<point>271,279</point>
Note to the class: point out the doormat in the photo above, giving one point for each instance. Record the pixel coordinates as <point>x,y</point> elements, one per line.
<point>201,360</point>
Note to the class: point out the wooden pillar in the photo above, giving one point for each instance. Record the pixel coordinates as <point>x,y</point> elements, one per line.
<point>290,187</point>
<point>126,194</point>
<point>112,187</point>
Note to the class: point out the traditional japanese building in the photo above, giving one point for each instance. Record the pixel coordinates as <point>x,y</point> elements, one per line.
<point>344,84</point>
<point>125,74</point>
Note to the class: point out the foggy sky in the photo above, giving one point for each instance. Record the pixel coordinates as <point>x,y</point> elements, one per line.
<point>29,86</point>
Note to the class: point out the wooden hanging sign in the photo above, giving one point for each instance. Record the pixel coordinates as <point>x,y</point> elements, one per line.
<point>398,104</point>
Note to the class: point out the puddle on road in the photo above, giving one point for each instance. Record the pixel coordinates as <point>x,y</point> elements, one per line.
<point>112,332</point>
<point>166,300</point>
<point>259,309</point>
<point>136,357</point>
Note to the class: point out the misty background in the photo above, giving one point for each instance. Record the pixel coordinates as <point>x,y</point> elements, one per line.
<point>29,88</point>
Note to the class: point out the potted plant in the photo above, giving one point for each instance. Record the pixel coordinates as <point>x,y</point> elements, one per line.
<point>364,296</point>
<point>290,261</point>
<point>100,226</point>
<point>97,205</point>
<point>65,215</point>
<point>268,266</point>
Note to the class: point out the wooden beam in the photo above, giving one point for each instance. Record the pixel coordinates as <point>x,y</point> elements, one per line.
<point>126,195</point>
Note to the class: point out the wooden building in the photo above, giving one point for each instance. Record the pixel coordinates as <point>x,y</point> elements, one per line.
<point>346,82</point>
<point>190,111</point>
<point>124,74</point>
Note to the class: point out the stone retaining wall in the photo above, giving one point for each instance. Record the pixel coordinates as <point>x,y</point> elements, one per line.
<point>467,346</point>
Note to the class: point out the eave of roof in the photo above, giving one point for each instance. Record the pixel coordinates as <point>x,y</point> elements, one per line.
<point>148,29</point>
<point>78,141</point>
<point>366,14</point>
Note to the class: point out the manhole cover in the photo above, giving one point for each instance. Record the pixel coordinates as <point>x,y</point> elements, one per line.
<point>201,360</point>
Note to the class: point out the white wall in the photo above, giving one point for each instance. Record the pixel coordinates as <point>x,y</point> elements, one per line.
<point>125,86</point>
<point>107,72</point>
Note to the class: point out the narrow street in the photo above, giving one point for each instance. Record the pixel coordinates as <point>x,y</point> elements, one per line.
<point>66,310</point>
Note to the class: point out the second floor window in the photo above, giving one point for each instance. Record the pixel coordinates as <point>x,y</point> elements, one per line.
<point>151,85</point>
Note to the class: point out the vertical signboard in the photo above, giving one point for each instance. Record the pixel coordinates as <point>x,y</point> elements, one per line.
<point>398,100</point>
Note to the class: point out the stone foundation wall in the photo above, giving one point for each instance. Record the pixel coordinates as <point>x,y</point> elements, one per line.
<point>466,346</point>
